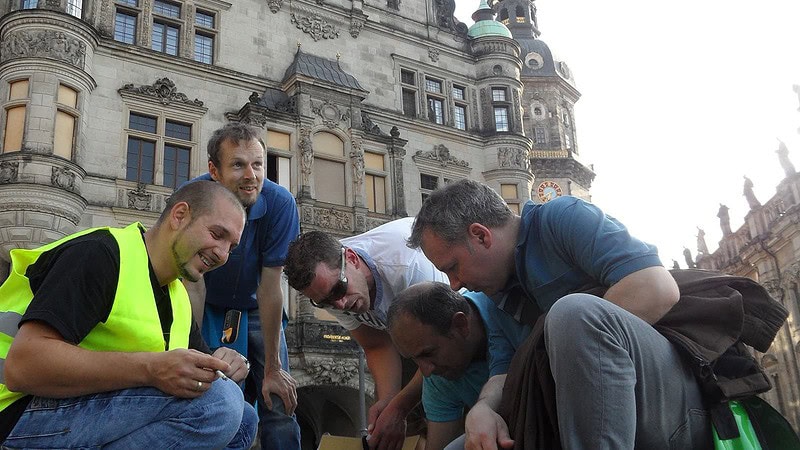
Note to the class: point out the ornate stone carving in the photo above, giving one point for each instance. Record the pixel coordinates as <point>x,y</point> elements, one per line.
<point>433,54</point>
<point>516,158</point>
<point>399,195</point>
<point>357,20</point>
<point>332,371</point>
<point>393,4</point>
<point>441,154</point>
<point>369,126</point>
<point>373,222</point>
<point>50,44</point>
<point>394,132</point>
<point>357,158</point>
<point>306,155</point>
<point>315,26</point>
<point>333,219</point>
<point>515,115</point>
<point>9,171</point>
<point>63,178</point>
<point>330,113</point>
<point>139,199</point>
<point>774,288</point>
<point>445,17</point>
<point>163,90</point>
<point>275,5</point>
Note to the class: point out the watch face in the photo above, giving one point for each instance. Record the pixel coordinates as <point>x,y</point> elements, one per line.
<point>548,190</point>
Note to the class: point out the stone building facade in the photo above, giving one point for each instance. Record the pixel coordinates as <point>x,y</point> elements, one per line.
<point>105,107</point>
<point>766,248</point>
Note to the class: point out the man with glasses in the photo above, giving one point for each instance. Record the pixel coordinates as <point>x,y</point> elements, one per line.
<point>356,280</point>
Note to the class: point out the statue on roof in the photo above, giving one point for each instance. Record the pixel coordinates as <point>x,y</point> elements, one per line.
<point>783,157</point>
<point>687,255</point>
<point>724,220</point>
<point>748,193</point>
<point>702,248</point>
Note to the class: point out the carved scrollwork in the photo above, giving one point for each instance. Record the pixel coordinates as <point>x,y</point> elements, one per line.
<point>9,171</point>
<point>516,158</point>
<point>357,24</point>
<point>275,5</point>
<point>332,219</point>
<point>139,199</point>
<point>433,54</point>
<point>315,26</point>
<point>329,113</point>
<point>163,90</point>
<point>441,154</point>
<point>369,126</point>
<point>63,178</point>
<point>50,44</point>
<point>332,371</point>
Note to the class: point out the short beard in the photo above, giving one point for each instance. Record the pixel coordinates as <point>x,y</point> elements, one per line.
<point>182,271</point>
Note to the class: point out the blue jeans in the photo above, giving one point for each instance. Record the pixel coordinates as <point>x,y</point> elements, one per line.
<point>138,418</point>
<point>619,382</point>
<point>278,430</point>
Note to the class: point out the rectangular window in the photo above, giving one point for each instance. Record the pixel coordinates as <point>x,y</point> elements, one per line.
<point>429,182</point>
<point>539,136</point>
<point>204,19</point>
<point>375,182</point>
<point>329,181</point>
<point>74,8</point>
<point>203,48</point>
<point>568,141</point>
<point>29,4</point>
<point>498,94</point>
<point>178,130</point>
<point>433,85</point>
<point>167,9</point>
<point>142,123</point>
<point>408,77</point>
<point>460,117</point>
<point>18,90</point>
<point>165,38</point>
<point>66,118</point>
<point>125,28</point>
<point>500,118</point>
<point>176,165</point>
<point>409,103</point>
<point>510,194</point>
<point>435,110</point>
<point>458,92</point>
<point>134,3</point>
<point>15,125</point>
<point>141,160</point>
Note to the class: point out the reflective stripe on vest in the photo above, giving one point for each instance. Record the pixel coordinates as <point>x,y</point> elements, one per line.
<point>133,324</point>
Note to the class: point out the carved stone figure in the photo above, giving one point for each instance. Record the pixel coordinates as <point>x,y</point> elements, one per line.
<point>8,172</point>
<point>139,198</point>
<point>275,5</point>
<point>702,248</point>
<point>513,157</point>
<point>63,178</point>
<point>783,157</point>
<point>441,154</point>
<point>358,170</point>
<point>724,220</point>
<point>49,44</point>
<point>330,371</point>
<point>749,194</point>
<point>675,265</point>
<point>306,155</point>
<point>369,126</point>
<point>687,254</point>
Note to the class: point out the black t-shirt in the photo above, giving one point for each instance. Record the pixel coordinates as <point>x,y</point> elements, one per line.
<point>73,289</point>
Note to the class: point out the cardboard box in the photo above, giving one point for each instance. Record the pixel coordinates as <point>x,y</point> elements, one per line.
<point>330,442</point>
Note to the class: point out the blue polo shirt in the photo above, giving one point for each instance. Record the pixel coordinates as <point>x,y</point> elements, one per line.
<point>444,400</point>
<point>272,223</point>
<point>566,245</point>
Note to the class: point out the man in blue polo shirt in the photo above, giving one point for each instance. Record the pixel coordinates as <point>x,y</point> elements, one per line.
<point>458,343</point>
<point>249,287</point>
<point>618,382</point>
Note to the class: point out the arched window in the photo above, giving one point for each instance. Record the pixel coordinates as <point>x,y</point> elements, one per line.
<point>520,14</point>
<point>329,168</point>
<point>503,17</point>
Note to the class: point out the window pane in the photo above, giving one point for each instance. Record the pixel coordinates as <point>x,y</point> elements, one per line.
<point>409,103</point>
<point>64,135</point>
<point>29,4</point>
<point>203,48</point>
<point>141,159</point>
<point>428,181</point>
<point>15,125</point>
<point>129,2</point>
<point>329,181</point>
<point>167,9</point>
<point>176,165</point>
<point>514,207</point>
<point>18,90</point>
<point>67,96</point>
<point>178,130</point>
<point>435,110</point>
<point>142,123</point>
<point>408,77</point>
<point>460,117</point>
<point>328,144</point>
<point>498,94</point>
<point>373,161</point>
<point>458,92</point>
<point>508,191</point>
<point>539,136</point>
<point>204,19</point>
<point>501,119</point>
<point>433,85</point>
<point>278,140</point>
<point>376,193</point>
<point>165,38</point>
<point>125,28</point>
<point>74,8</point>
<point>172,41</point>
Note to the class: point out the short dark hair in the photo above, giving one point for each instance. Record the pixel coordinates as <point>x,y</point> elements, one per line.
<point>431,303</point>
<point>450,210</point>
<point>305,253</point>
<point>235,132</point>
<point>200,196</point>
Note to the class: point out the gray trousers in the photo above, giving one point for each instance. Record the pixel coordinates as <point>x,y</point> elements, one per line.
<point>619,383</point>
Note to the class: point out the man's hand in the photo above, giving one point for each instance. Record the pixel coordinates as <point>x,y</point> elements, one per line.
<point>485,429</point>
<point>387,427</point>
<point>240,367</point>
<point>184,373</point>
<point>280,383</point>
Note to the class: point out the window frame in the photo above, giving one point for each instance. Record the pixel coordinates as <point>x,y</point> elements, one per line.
<point>15,103</point>
<point>409,92</point>
<point>71,111</point>
<point>374,174</point>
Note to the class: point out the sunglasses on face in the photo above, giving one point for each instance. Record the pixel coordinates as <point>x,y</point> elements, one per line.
<point>338,290</point>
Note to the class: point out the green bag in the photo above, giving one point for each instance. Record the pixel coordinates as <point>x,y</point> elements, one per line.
<point>760,427</point>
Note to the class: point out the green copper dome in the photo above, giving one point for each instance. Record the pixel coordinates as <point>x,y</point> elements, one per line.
<point>485,25</point>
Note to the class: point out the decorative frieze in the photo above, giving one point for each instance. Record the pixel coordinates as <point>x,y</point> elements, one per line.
<point>9,172</point>
<point>139,199</point>
<point>315,26</point>
<point>330,114</point>
<point>328,218</point>
<point>48,44</point>
<point>332,371</point>
<point>441,155</point>
<point>512,157</point>
<point>357,20</point>
<point>63,178</point>
<point>163,90</point>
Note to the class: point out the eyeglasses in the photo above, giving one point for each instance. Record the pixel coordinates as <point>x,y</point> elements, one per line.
<point>338,290</point>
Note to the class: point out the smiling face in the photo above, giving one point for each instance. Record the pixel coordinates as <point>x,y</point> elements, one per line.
<point>356,299</point>
<point>241,169</point>
<point>446,355</point>
<point>205,242</point>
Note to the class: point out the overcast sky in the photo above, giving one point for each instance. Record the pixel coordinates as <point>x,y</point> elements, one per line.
<point>680,100</point>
